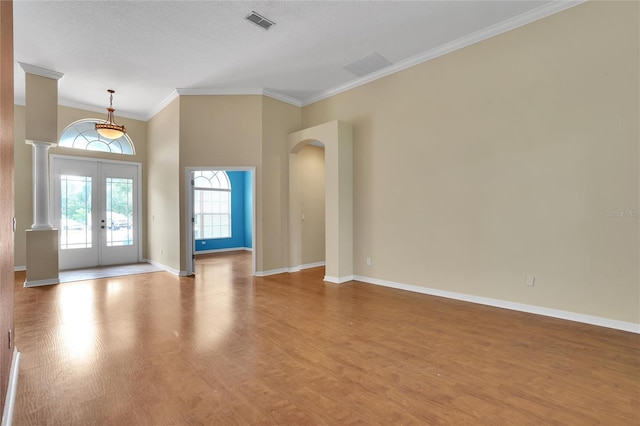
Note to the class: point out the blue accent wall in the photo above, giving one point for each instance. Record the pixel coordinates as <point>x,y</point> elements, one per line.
<point>241,216</point>
<point>248,209</point>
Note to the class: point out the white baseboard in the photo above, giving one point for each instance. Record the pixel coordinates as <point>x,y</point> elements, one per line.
<point>289,270</point>
<point>197,252</point>
<point>306,266</point>
<point>338,280</point>
<point>271,272</point>
<point>532,309</point>
<point>40,283</point>
<point>166,268</point>
<point>12,388</point>
<point>19,268</point>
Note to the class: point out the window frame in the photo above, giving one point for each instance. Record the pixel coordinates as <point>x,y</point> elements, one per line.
<point>82,135</point>
<point>200,224</point>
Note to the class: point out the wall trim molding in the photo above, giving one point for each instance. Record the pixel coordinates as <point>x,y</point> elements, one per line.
<point>12,388</point>
<point>19,268</point>
<point>505,304</point>
<point>306,266</point>
<point>271,272</point>
<point>165,267</point>
<point>40,283</point>
<point>162,105</point>
<point>338,280</point>
<point>211,91</point>
<point>197,252</point>
<point>291,270</point>
<point>281,97</point>
<point>478,36</point>
<point>42,72</point>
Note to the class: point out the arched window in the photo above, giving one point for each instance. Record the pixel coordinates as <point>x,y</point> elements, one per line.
<point>211,204</point>
<point>82,135</point>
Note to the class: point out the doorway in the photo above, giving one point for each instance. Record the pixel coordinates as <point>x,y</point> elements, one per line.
<point>337,138</point>
<point>223,223</point>
<point>95,205</point>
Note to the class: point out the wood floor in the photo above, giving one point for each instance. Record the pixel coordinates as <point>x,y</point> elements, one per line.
<point>226,348</point>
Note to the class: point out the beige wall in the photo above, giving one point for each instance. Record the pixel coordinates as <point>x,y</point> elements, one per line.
<point>41,118</point>
<point>504,159</point>
<point>219,131</point>
<point>278,120</point>
<point>137,131</point>
<point>237,131</point>
<point>312,188</point>
<point>163,193</point>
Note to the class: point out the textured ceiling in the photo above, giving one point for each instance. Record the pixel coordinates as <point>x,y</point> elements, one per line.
<point>145,50</point>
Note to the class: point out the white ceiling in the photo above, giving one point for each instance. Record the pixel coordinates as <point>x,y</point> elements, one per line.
<point>145,50</point>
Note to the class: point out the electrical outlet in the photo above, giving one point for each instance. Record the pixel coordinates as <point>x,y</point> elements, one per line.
<point>531,280</point>
<point>368,261</point>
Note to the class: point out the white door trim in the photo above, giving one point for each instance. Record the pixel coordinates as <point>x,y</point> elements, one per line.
<point>138,166</point>
<point>188,209</point>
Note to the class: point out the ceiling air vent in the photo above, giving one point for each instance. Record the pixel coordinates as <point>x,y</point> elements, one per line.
<point>367,65</point>
<point>260,20</point>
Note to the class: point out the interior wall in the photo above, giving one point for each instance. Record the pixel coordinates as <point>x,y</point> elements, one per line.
<point>136,129</point>
<point>517,155</point>
<point>163,193</point>
<point>312,197</point>
<point>278,120</point>
<point>219,131</point>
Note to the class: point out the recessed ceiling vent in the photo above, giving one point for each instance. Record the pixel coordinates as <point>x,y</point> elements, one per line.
<point>367,65</point>
<point>260,20</point>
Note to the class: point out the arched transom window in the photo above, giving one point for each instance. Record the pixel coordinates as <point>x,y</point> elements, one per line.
<point>212,204</point>
<point>82,135</point>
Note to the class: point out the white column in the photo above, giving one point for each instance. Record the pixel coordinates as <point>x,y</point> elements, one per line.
<point>41,185</point>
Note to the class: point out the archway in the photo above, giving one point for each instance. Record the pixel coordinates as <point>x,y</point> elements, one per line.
<point>337,139</point>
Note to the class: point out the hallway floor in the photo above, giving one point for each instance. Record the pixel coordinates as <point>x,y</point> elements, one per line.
<point>225,348</point>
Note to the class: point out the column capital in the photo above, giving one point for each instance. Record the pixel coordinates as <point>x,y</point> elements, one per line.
<point>42,72</point>
<point>40,143</point>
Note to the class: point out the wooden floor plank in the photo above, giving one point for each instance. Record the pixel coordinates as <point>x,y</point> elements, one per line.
<point>228,348</point>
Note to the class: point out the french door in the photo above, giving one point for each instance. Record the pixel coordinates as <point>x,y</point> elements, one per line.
<point>95,208</point>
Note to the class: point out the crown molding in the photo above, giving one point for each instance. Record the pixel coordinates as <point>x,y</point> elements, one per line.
<point>543,11</point>
<point>87,107</point>
<point>162,105</point>
<point>93,108</point>
<point>231,92</point>
<point>204,91</point>
<point>42,72</point>
<point>282,97</point>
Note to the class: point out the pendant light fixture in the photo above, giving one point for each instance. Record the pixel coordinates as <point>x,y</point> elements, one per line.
<point>110,129</point>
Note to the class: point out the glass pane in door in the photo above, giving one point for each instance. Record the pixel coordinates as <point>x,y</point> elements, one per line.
<point>75,212</point>
<point>119,220</point>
